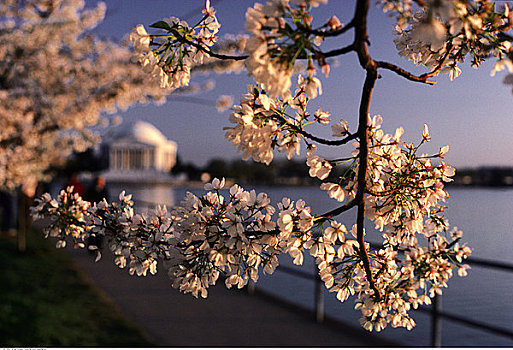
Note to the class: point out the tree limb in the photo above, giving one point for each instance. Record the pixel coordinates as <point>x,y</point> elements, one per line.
<point>404,73</point>
<point>361,35</point>
<point>331,32</point>
<point>380,194</point>
<point>335,212</point>
<point>421,78</point>
<point>338,52</point>
<point>322,141</point>
<point>207,50</point>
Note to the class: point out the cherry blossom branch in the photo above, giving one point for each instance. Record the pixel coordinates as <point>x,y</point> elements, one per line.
<point>335,212</point>
<point>341,51</point>
<point>332,53</point>
<point>236,234</point>
<point>363,157</point>
<point>380,194</point>
<point>306,134</point>
<point>362,9</point>
<point>317,220</point>
<point>421,78</point>
<point>207,50</point>
<point>331,32</point>
<point>438,68</point>
<point>404,73</point>
<point>506,37</point>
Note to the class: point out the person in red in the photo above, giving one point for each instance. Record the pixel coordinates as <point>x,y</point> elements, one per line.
<point>77,184</point>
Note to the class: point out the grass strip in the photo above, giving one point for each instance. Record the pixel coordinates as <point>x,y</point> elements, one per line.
<point>45,302</point>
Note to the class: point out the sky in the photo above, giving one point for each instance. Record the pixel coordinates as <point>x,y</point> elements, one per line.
<point>473,114</point>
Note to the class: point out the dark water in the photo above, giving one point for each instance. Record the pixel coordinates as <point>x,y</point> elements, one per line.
<point>484,215</point>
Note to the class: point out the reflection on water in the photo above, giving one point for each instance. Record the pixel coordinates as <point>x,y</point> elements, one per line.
<point>146,195</point>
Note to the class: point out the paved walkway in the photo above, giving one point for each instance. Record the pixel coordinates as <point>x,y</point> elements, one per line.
<point>225,318</point>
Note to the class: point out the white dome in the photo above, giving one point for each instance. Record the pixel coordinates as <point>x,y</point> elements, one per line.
<point>138,147</point>
<point>139,131</point>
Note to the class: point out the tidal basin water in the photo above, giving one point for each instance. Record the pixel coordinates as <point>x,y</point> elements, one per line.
<point>486,295</point>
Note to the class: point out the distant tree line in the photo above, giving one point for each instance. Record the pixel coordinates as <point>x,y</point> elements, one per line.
<point>493,176</point>
<point>280,172</point>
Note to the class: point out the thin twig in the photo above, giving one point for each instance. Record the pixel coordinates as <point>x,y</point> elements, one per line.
<point>421,78</point>
<point>404,73</point>
<point>207,50</point>
<point>438,68</point>
<point>335,212</point>
<point>505,37</point>
<point>380,194</point>
<point>338,52</point>
<point>340,142</point>
<point>331,32</point>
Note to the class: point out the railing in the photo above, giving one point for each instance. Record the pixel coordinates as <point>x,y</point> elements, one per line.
<point>437,314</point>
<point>435,311</point>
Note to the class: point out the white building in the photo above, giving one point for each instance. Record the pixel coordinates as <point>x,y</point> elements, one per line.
<point>138,151</point>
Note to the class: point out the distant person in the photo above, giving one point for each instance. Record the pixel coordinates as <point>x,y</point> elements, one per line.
<point>76,183</point>
<point>95,193</point>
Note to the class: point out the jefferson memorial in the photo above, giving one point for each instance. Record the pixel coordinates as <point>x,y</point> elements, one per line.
<point>137,151</point>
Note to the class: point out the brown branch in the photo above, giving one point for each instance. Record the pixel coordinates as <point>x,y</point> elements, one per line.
<point>338,52</point>
<point>361,36</point>
<point>404,73</point>
<point>207,50</point>
<point>331,32</point>
<point>218,55</point>
<point>363,156</point>
<point>421,78</point>
<point>505,37</point>
<point>317,220</point>
<point>421,3</point>
<point>380,194</point>
<point>340,142</point>
<point>335,212</point>
<point>438,68</point>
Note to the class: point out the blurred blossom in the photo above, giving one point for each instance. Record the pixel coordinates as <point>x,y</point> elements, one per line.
<point>224,102</point>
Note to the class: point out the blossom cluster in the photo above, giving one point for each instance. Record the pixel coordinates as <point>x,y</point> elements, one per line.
<point>237,233</point>
<point>279,34</point>
<point>170,56</point>
<point>198,240</point>
<point>404,192</point>
<point>137,240</point>
<point>404,195</point>
<point>443,33</point>
<point>263,124</point>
